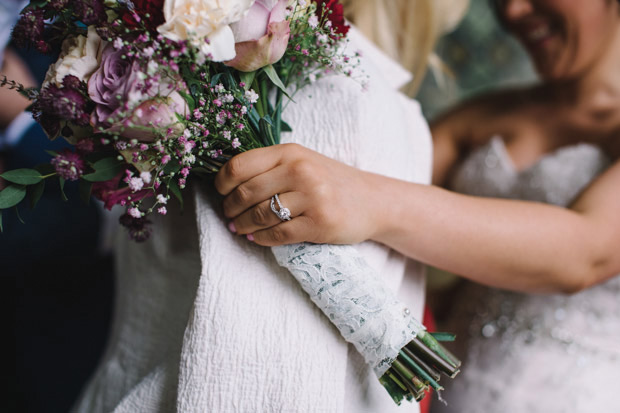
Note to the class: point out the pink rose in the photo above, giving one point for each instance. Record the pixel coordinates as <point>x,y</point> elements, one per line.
<point>131,103</point>
<point>261,37</point>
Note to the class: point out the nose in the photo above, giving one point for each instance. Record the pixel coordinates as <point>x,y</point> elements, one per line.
<point>515,9</point>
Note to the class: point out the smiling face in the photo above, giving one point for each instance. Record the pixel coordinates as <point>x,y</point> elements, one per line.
<point>563,37</point>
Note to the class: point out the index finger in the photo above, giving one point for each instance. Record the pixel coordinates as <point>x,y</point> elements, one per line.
<point>245,166</point>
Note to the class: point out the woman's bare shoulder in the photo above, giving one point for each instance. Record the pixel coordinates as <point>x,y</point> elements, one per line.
<point>462,120</point>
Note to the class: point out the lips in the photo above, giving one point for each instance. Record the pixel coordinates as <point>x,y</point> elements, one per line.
<point>536,36</point>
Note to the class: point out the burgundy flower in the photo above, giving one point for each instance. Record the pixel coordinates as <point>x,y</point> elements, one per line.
<point>143,8</point>
<point>111,194</point>
<point>139,228</point>
<point>90,12</point>
<point>69,165</point>
<point>29,30</point>
<point>58,5</point>
<point>332,9</point>
<point>64,103</point>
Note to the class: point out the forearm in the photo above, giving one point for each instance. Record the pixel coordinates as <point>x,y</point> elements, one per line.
<point>510,244</point>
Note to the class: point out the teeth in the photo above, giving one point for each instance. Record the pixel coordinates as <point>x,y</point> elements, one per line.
<point>538,34</point>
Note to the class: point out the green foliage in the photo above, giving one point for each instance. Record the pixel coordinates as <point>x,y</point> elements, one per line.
<point>173,186</point>
<point>247,78</point>
<point>191,102</point>
<point>273,76</point>
<point>61,181</point>
<point>105,169</point>
<point>443,336</point>
<point>12,195</point>
<point>23,176</point>
<point>35,192</point>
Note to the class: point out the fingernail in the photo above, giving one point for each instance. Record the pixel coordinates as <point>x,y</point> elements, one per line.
<point>232,227</point>
<point>250,237</point>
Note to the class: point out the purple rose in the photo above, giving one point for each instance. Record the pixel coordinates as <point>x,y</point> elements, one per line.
<point>130,102</point>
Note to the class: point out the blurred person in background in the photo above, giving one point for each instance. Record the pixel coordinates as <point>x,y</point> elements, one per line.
<point>553,150</point>
<point>58,312</point>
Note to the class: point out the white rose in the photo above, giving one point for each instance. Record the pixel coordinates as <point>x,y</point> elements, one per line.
<point>79,57</point>
<point>198,20</point>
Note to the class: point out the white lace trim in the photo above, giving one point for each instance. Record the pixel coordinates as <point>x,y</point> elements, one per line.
<point>354,298</point>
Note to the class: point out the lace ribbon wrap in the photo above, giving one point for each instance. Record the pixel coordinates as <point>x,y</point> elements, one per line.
<point>354,298</point>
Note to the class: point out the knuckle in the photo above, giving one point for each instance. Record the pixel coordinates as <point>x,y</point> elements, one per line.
<point>260,216</point>
<point>302,170</point>
<point>279,235</point>
<point>241,195</point>
<point>234,168</point>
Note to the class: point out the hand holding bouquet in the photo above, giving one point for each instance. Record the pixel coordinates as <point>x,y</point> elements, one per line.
<point>155,93</point>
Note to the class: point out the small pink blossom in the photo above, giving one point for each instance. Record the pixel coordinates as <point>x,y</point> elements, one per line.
<point>134,212</point>
<point>162,210</point>
<point>235,143</point>
<point>135,184</point>
<point>146,177</point>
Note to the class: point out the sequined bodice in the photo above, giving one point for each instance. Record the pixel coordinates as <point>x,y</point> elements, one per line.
<point>527,352</point>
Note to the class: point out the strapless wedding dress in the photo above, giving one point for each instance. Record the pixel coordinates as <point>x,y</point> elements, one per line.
<point>530,353</point>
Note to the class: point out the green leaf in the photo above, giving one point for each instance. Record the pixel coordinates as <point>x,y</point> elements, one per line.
<point>216,79</point>
<point>273,76</point>
<point>23,176</point>
<point>285,127</point>
<point>12,195</point>
<point>105,169</point>
<point>1,227</point>
<point>61,181</point>
<point>172,167</point>
<point>85,189</point>
<point>174,188</point>
<point>191,102</point>
<point>443,336</point>
<point>54,154</point>
<point>247,78</point>
<point>265,125</point>
<point>35,192</point>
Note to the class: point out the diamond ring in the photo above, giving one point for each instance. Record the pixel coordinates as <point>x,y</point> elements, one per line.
<point>283,213</point>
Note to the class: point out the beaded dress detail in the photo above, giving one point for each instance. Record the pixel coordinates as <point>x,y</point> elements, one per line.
<point>526,352</point>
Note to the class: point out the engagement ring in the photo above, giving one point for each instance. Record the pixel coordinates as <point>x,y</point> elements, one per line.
<point>283,213</point>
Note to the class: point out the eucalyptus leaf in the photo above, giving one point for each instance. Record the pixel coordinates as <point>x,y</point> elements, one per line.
<point>35,192</point>
<point>273,76</point>
<point>23,176</point>
<point>12,195</point>
<point>105,169</point>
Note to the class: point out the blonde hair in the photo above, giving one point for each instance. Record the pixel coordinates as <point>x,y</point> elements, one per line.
<point>405,29</point>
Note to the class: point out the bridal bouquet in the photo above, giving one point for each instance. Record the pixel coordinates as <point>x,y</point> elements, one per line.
<point>153,93</point>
